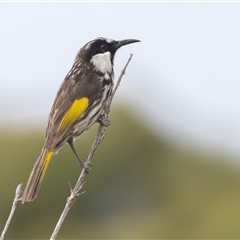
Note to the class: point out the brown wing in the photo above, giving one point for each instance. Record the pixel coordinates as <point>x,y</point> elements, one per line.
<point>73,98</point>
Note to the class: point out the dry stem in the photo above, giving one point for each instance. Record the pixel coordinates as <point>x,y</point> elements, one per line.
<point>99,137</point>
<point>18,194</point>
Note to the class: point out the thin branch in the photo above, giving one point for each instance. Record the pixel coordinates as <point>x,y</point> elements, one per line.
<point>18,194</point>
<point>117,85</point>
<point>98,138</point>
<point>75,191</point>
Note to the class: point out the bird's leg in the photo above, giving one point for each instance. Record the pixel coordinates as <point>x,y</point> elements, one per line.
<point>104,121</point>
<point>84,165</point>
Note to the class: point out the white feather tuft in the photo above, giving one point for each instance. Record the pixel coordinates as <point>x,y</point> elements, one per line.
<point>102,62</point>
<point>109,40</point>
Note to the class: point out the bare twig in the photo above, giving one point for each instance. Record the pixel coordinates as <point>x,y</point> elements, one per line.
<point>117,85</point>
<point>99,137</point>
<point>18,193</point>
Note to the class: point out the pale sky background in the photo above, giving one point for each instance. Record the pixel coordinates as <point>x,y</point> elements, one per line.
<point>184,78</point>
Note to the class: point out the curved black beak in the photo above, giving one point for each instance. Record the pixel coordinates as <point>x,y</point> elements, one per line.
<point>121,43</point>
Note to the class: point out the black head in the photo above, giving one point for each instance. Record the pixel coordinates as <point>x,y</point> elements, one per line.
<point>103,45</point>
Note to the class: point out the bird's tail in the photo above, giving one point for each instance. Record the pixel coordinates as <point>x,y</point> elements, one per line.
<point>34,182</point>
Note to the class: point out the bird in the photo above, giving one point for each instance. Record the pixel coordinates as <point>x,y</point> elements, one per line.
<point>79,103</point>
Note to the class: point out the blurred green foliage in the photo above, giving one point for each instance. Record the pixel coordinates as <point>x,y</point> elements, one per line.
<point>139,187</point>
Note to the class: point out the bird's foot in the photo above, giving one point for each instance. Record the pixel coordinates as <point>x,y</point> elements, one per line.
<point>85,165</point>
<point>104,121</point>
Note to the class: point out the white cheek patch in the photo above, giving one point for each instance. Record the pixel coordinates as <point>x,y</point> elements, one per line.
<point>102,62</point>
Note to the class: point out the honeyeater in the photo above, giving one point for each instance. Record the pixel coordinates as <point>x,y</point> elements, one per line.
<point>78,104</point>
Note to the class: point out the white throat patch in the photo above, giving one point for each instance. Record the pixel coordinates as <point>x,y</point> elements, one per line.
<point>102,62</point>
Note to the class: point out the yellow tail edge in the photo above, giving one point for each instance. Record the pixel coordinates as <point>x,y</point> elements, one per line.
<point>34,182</point>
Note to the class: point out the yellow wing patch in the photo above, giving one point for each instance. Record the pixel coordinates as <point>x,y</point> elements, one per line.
<point>75,111</point>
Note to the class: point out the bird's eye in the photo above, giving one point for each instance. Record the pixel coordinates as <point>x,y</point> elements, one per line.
<point>103,47</point>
